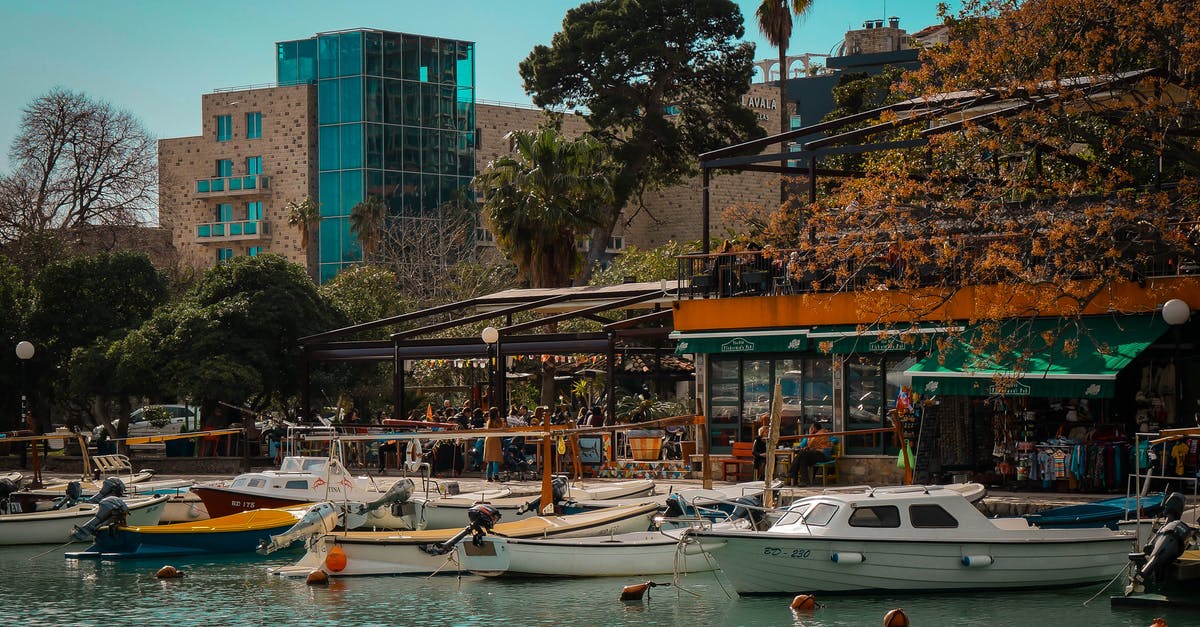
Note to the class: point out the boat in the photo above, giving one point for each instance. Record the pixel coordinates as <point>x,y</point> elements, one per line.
<point>1166,571</point>
<point>632,554</point>
<point>242,532</point>
<point>299,480</point>
<point>57,526</point>
<point>411,552</point>
<point>609,491</point>
<point>912,539</point>
<point>1104,513</point>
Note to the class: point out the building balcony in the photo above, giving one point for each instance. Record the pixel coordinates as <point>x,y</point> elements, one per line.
<point>213,232</point>
<point>247,185</point>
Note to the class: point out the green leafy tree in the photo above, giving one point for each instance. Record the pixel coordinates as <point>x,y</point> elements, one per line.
<point>651,264</point>
<point>538,200</point>
<point>233,337</point>
<point>79,302</point>
<point>661,81</point>
<point>13,301</point>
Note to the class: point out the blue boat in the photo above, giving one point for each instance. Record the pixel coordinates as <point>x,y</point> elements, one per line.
<point>237,533</point>
<point>1105,513</point>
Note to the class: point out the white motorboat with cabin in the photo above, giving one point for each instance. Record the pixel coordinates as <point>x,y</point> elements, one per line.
<point>909,538</point>
<point>299,480</point>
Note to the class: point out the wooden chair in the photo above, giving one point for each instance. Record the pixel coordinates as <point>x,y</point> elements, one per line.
<point>829,470</point>
<point>743,456</point>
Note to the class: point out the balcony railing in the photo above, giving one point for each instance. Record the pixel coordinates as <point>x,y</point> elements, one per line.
<point>234,185</point>
<point>777,272</point>
<point>231,231</point>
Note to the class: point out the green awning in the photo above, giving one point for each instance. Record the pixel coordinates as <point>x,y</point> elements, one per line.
<point>773,341</point>
<point>1044,358</point>
<point>846,339</point>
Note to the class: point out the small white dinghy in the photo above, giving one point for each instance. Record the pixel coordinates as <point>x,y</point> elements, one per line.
<point>618,555</point>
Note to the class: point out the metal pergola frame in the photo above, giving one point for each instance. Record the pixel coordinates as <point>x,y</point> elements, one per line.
<point>626,335</point>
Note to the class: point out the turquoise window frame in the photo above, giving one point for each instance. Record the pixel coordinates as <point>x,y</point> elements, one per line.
<point>224,212</point>
<point>235,228</point>
<point>235,184</point>
<point>203,230</point>
<point>250,228</point>
<point>254,251</point>
<point>254,210</point>
<point>254,165</point>
<point>224,128</point>
<point>224,167</point>
<point>254,125</point>
<point>224,254</point>
<point>202,186</point>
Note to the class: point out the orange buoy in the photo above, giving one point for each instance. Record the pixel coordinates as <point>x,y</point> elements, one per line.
<point>895,618</point>
<point>336,560</point>
<point>168,572</point>
<point>317,578</point>
<point>634,592</point>
<point>804,602</point>
<point>1159,622</point>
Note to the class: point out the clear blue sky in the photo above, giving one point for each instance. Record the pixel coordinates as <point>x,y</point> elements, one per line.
<point>155,58</point>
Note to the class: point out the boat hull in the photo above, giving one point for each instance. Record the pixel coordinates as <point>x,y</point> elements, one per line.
<point>630,554</point>
<point>767,563</point>
<point>55,527</point>
<point>220,502</point>
<point>401,553</point>
<point>238,533</point>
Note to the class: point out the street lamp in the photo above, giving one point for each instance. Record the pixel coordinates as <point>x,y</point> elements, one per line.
<point>490,335</point>
<point>25,351</point>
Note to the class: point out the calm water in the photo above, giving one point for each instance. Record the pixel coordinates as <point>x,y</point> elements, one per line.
<point>50,590</point>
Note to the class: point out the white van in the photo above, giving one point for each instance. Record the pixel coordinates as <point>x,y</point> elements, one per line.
<point>183,417</point>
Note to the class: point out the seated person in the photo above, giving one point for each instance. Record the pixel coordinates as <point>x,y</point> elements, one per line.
<point>813,449</point>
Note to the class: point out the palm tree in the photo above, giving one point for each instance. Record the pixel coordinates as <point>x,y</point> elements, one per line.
<point>538,200</point>
<point>775,22</point>
<point>305,215</point>
<point>367,223</point>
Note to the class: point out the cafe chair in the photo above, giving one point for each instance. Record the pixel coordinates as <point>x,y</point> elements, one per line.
<point>829,470</point>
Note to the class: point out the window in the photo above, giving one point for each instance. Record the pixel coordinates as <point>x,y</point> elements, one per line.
<point>254,211</point>
<point>254,125</point>
<point>224,128</point>
<point>257,482</point>
<point>931,516</point>
<point>224,167</point>
<point>253,165</point>
<point>296,485</point>
<point>877,516</point>
<point>224,212</point>
<point>224,254</point>
<point>821,514</point>
<point>254,251</point>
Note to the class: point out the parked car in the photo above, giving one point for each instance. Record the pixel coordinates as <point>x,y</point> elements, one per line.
<point>181,417</point>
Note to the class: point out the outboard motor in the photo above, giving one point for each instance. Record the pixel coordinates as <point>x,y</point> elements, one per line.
<point>748,507</point>
<point>1169,542</point>
<point>676,507</point>
<point>355,514</point>
<point>482,517</point>
<point>112,486</point>
<point>71,496</point>
<point>7,487</point>
<point>319,518</point>
<point>558,489</point>
<point>112,510</point>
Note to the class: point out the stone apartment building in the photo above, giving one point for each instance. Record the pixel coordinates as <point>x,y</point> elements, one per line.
<point>366,111</point>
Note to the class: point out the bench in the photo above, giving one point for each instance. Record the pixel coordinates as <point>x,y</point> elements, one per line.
<point>112,464</point>
<point>743,455</point>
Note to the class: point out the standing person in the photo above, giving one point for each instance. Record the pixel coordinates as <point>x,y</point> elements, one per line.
<point>760,452</point>
<point>493,449</point>
<point>813,449</point>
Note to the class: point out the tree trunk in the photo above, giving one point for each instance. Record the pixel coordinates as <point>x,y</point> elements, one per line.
<point>784,121</point>
<point>600,236</point>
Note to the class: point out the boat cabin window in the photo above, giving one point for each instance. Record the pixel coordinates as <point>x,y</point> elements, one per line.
<point>313,465</point>
<point>257,482</point>
<point>298,484</point>
<point>239,483</point>
<point>817,515</point>
<point>290,464</point>
<point>875,516</point>
<point>931,516</point>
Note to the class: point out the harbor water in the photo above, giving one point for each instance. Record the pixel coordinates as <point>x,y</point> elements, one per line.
<point>51,590</point>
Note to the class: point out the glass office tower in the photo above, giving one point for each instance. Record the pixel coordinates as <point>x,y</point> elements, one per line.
<point>396,119</point>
